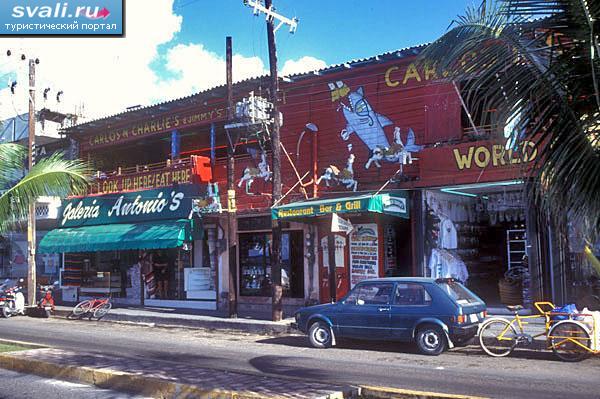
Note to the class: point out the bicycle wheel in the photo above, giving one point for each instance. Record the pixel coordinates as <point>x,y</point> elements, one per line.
<point>497,337</point>
<point>569,341</point>
<point>102,310</point>
<point>82,308</point>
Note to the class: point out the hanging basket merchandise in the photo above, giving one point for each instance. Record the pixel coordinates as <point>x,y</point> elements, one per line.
<point>511,292</point>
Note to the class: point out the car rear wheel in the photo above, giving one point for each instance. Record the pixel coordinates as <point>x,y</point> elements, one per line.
<point>319,335</point>
<point>431,340</point>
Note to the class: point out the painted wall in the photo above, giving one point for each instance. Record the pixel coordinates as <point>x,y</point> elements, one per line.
<point>369,123</point>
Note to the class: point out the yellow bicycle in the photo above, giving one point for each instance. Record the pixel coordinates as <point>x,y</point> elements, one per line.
<point>569,337</point>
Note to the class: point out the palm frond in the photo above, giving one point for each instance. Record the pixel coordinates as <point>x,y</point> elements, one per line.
<point>12,162</point>
<point>52,176</point>
<point>540,77</point>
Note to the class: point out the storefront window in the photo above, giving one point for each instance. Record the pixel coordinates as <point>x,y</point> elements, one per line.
<point>255,264</point>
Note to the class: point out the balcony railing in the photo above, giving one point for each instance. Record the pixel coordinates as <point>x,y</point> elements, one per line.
<point>142,177</point>
<point>484,132</point>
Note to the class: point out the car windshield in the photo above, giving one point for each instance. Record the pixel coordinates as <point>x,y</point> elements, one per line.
<point>457,292</point>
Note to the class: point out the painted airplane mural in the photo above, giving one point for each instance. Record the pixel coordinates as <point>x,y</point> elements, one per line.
<point>368,125</point>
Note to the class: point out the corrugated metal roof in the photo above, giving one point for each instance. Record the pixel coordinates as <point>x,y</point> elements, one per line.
<point>219,91</point>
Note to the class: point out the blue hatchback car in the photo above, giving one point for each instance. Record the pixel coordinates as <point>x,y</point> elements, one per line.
<point>436,314</point>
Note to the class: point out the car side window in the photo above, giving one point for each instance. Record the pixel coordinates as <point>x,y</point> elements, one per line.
<point>411,294</point>
<point>371,294</point>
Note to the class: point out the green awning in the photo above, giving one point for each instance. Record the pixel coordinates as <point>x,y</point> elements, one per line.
<point>395,204</point>
<point>112,237</point>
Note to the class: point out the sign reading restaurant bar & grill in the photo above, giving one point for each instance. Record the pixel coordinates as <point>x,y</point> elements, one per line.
<point>323,209</point>
<point>167,203</point>
<point>389,203</point>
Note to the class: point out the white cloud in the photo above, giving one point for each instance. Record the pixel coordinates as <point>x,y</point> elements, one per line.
<point>303,64</point>
<point>197,69</point>
<point>107,75</point>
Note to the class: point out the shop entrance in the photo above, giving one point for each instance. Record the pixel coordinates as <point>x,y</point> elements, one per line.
<point>339,268</point>
<point>478,234</point>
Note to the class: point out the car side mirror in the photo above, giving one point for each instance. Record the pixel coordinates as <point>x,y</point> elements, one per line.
<point>360,301</point>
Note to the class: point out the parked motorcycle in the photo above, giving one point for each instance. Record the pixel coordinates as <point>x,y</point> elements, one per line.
<point>12,300</point>
<point>46,303</point>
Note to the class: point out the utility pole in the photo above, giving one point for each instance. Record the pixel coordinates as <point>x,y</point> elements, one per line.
<point>268,10</point>
<point>31,234</point>
<point>231,207</point>
<point>276,159</point>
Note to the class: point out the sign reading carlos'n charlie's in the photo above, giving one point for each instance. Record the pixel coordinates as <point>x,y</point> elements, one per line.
<point>167,203</point>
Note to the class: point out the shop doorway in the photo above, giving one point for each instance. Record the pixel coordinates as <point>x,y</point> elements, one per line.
<point>255,264</point>
<point>478,234</point>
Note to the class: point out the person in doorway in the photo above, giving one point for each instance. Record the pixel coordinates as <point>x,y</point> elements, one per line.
<point>161,275</point>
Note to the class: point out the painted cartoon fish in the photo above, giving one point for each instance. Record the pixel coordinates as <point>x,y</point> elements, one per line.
<point>364,121</point>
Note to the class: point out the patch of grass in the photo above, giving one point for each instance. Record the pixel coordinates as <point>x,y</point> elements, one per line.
<point>11,348</point>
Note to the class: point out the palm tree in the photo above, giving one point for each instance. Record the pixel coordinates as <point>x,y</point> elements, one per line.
<point>535,62</point>
<point>52,176</point>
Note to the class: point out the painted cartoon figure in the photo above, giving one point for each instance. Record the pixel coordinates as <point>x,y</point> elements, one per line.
<point>398,152</point>
<point>345,177</point>
<point>262,172</point>
<point>211,203</point>
<point>364,121</point>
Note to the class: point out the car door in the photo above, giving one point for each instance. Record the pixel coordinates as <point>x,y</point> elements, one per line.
<point>365,313</point>
<point>410,302</point>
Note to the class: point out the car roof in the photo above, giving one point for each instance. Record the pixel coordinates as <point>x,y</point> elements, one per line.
<point>401,280</point>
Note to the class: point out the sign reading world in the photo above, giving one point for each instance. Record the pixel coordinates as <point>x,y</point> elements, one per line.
<point>168,203</point>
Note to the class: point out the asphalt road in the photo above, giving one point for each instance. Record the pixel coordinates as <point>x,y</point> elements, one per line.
<point>16,385</point>
<point>526,374</point>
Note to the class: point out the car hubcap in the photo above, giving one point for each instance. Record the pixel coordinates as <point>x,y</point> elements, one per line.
<point>431,340</point>
<point>321,335</point>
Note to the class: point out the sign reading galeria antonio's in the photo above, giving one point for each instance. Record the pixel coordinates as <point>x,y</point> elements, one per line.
<point>167,203</point>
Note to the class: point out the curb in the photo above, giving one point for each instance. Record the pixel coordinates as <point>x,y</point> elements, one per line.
<point>370,392</point>
<point>239,325</point>
<point>134,383</point>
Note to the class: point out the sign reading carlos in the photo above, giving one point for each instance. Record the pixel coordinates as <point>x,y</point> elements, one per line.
<point>168,203</point>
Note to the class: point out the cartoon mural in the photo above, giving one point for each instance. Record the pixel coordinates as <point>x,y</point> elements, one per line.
<point>369,125</point>
<point>364,121</point>
<point>209,204</point>
<point>398,152</point>
<point>263,171</point>
<point>345,177</point>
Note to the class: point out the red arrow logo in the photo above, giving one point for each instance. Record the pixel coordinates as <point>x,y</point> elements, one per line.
<point>102,14</point>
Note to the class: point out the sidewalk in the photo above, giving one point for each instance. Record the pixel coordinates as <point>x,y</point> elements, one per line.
<point>168,318</point>
<point>164,379</point>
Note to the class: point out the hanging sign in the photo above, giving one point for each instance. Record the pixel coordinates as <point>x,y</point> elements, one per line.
<point>364,253</point>
<point>168,203</point>
<point>340,225</point>
<point>152,126</point>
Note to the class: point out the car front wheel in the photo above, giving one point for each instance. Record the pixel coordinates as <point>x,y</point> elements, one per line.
<point>319,335</point>
<point>431,340</point>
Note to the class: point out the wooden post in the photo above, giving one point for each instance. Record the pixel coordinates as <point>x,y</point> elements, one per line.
<point>231,214</point>
<point>277,298</point>
<point>31,234</point>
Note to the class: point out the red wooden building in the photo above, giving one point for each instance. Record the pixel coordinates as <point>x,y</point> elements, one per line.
<point>393,153</point>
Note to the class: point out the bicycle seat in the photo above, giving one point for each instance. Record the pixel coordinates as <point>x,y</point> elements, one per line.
<point>515,308</point>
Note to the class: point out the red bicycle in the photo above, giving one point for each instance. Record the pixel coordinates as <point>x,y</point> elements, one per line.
<point>95,308</point>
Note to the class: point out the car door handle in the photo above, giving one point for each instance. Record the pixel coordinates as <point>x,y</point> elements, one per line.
<point>384,308</point>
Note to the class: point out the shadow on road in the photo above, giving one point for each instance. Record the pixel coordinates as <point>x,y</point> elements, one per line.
<point>302,342</point>
<point>290,366</point>
<point>536,352</point>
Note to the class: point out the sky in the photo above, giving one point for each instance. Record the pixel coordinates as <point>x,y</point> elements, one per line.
<point>174,48</point>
